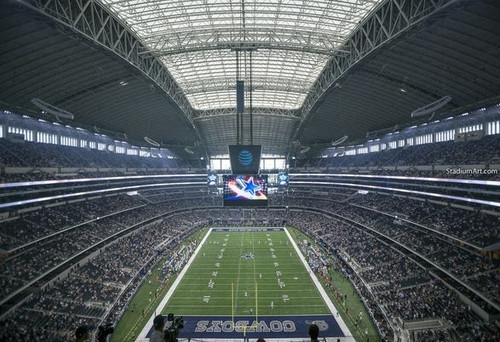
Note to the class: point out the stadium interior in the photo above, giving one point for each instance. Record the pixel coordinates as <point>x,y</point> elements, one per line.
<point>374,127</point>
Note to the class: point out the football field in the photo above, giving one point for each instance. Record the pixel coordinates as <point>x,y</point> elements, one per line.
<point>249,282</point>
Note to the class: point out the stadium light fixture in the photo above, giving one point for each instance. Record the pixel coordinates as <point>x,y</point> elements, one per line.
<point>340,141</point>
<point>53,110</point>
<point>431,107</point>
<point>151,141</point>
<point>305,149</point>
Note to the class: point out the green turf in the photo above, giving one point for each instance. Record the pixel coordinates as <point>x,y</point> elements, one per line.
<point>222,261</point>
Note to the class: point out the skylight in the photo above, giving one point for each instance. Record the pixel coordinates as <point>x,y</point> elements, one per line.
<point>196,42</point>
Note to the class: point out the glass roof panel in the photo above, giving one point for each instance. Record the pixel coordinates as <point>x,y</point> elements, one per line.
<point>196,40</point>
<point>204,73</point>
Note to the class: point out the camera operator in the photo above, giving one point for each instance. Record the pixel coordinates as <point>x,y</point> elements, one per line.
<point>104,331</point>
<point>314,332</point>
<point>158,325</point>
<point>173,327</point>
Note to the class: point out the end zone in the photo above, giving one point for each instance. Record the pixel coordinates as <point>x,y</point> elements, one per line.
<point>272,328</point>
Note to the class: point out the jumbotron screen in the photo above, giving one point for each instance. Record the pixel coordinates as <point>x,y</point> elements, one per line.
<point>245,190</point>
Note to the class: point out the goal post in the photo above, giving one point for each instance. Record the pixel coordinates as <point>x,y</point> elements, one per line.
<point>232,302</point>
<point>256,304</point>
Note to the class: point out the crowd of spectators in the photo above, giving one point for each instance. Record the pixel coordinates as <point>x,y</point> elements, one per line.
<point>471,225</point>
<point>41,175</point>
<point>410,157</point>
<point>36,155</point>
<point>464,263</point>
<point>32,225</point>
<point>26,264</point>
<point>488,172</point>
<point>92,288</point>
<point>45,161</point>
<point>380,273</point>
<point>406,161</point>
<point>40,326</point>
<point>389,281</point>
<point>393,282</point>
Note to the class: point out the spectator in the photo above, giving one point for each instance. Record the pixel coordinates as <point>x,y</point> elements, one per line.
<point>82,334</point>
<point>158,334</point>
<point>314,332</point>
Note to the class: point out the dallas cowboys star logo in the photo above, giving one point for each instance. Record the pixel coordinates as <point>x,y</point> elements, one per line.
<point>251,187</point>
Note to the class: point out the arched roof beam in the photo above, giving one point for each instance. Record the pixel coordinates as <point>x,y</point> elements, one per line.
<point>251,45</point>
<point>276,112</point>
<point>208,85</point>
<point>386,23</point>
<point>291,38</point>
<point>89,19</point>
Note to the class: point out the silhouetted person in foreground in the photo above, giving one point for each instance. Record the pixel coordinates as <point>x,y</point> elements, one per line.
<point>314,332</point>
<point>82,334</point>
<point>158,325</point>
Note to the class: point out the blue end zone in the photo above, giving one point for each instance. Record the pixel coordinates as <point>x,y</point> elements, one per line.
<point>247,229</point>
<point>283,327</point>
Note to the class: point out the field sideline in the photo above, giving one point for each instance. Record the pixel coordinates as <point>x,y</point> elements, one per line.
<point>245,273</point>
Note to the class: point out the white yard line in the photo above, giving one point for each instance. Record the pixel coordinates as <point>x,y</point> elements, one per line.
<point>253,260</point>
<point>322,291</point>
<point>159,308</point>
<point>225,297</point>
<point>267,283</point>
<point>288,306</point>
<point>238,277</point>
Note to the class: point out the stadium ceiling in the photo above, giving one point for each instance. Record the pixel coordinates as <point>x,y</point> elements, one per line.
<point>196,41</point>
<point>322,69</point>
